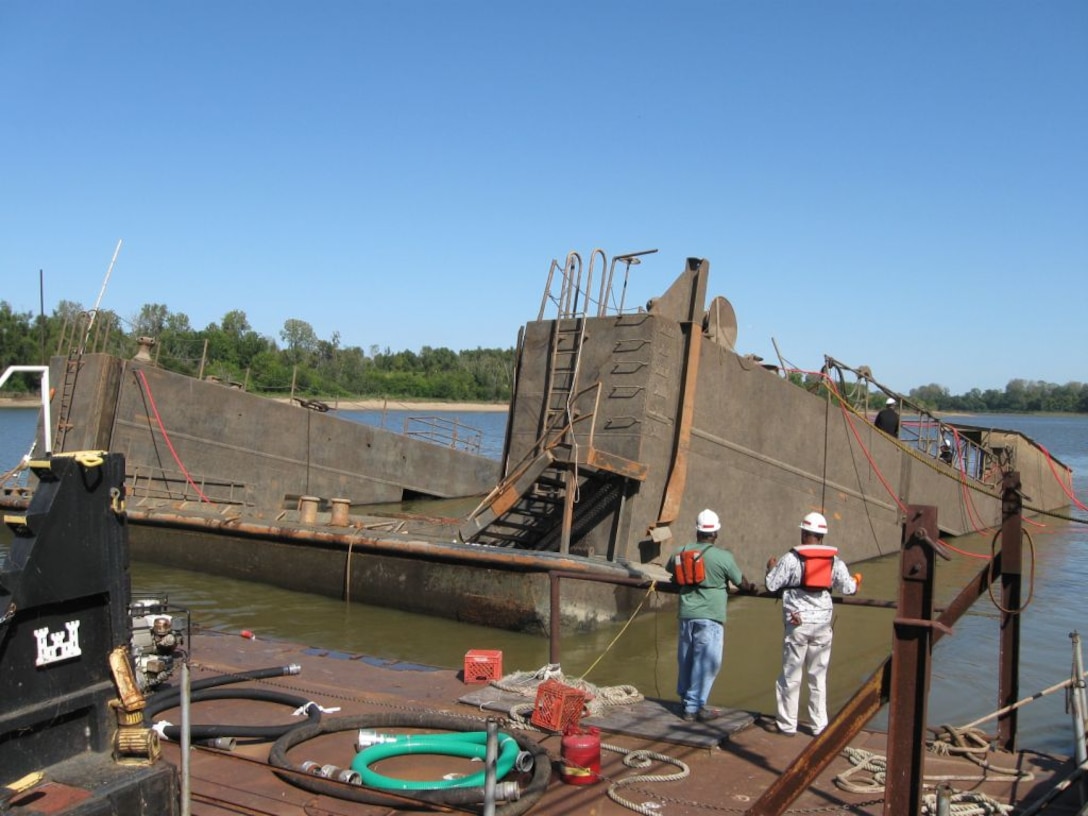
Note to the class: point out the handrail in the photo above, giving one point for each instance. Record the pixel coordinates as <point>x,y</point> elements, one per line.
<point>44,371</point>
<point>927,432</point>
<point>449,433</point>
<point>575,297</point>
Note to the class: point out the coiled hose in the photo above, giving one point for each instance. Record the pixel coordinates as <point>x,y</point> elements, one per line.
<point>207,689</point>
<point>468,744</point>
<point>265,733</point>
<point>277,757</point>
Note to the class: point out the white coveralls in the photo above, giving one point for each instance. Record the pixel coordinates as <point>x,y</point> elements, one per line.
<point>806,646</point>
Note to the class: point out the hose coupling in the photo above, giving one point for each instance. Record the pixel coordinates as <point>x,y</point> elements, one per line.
<point>524,761</point>
<point>365,738</point>
<point>219,743</point>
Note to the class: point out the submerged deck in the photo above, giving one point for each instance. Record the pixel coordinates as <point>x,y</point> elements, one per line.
<point>731,761</point>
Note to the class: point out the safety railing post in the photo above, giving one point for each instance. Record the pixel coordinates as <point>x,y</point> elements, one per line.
<point>1011,556</point>
<point>1080,712</point>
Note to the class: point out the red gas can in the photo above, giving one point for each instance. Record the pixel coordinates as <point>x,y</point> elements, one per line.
<point>581,755</point>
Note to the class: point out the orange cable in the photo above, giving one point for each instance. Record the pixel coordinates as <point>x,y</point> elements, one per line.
<point>876,470</point>
<point>1068,491</point>
<point>166,436</point>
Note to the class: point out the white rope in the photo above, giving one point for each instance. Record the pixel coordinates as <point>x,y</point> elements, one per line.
<point>597,698</point>
<point>863,761</point>
<point>877,765</point>
<point>966,803</point>
<point>643,759</point>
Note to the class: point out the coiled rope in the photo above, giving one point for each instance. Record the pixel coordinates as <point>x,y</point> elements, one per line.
<point>963,803</point>
<point>642,759</point>
<point>966,803</point>
<point>597,698</point>
<point>973,744</point>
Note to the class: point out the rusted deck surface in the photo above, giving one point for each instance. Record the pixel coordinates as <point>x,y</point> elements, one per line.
<point>728,771</point>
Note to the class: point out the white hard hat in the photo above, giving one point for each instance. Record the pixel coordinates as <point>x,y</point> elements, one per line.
<point>707,522</point>
<point>814,523</point>
<point>946,443</point>
<point>890,401</point>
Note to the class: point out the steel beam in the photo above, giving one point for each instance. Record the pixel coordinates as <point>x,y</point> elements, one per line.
<point>911,651</point>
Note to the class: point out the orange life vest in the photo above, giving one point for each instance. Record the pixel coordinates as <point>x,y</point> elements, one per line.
<point>688,567</point>
<point>817,562</point>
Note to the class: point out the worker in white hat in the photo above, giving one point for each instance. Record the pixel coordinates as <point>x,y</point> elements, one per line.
<point>888,418</point>
<point>703,573</point>
<point>807,575</point>
<point>946,454</point>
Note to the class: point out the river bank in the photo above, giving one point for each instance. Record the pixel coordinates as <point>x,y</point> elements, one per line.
<point>33,401</point>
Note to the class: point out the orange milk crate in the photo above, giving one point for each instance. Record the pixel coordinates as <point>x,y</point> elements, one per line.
<point>483,665</point>
<point>557,706</point>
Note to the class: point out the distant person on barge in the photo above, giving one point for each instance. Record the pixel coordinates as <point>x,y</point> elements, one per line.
<point>888,418</point>
<point>946,455</point>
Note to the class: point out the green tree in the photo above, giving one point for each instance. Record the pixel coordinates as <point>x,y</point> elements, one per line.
<point>300,339</point>
<point>18,346</point>
<point>151,320</point>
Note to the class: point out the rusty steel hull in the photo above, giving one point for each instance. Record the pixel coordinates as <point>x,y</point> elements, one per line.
<point>416,568</point>
<point>704,425</point>
<point>187,438</point>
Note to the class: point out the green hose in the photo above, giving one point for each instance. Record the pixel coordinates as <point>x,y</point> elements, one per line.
<point>468,744</point>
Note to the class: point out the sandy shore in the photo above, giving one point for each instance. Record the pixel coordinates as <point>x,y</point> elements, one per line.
<point>405,405</point>
<point>341,405</point>
<point>20,402</point>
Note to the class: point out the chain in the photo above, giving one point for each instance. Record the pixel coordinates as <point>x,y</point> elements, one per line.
<point>671,800</point>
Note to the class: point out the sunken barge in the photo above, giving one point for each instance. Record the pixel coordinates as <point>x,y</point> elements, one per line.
<point>623,425</point>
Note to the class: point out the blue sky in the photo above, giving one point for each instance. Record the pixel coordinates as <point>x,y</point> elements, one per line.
<point>899,185</point>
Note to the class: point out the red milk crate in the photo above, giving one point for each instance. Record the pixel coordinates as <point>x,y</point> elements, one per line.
<point>557,706</point>
<point>483,665</point>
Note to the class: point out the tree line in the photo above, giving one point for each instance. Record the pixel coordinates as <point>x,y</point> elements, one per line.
<point>304,365</point>
<point>300,364</point>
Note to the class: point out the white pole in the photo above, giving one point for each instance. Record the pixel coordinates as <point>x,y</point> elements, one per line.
<point>186,741</point>
<point>101,293</point>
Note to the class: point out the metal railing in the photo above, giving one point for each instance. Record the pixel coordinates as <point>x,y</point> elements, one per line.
<point>576,297</point>
<point>449,433</point>
<point>152,482</point>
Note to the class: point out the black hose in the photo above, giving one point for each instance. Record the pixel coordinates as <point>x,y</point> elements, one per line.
<point>171,697</point>
<point>277,758</point>
<point>258,732</point>
<point>226,679</point>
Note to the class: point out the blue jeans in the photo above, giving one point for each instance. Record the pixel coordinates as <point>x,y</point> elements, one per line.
<point>699,659</point>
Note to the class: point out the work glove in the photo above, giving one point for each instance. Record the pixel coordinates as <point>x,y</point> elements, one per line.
<point>857,579</point>
<point>747,587</point>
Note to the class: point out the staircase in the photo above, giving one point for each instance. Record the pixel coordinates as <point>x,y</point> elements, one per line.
<point>534,507</point>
